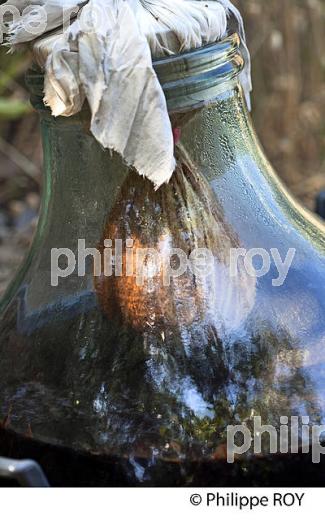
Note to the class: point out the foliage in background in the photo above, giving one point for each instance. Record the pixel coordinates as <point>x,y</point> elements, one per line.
<point>13,96</point>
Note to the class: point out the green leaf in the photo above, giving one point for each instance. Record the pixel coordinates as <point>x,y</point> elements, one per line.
<point>13,108</point>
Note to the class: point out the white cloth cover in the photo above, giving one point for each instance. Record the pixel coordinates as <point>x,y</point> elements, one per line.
<point>101,50</point>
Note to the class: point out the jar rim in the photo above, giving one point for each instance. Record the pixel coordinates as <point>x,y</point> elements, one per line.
<point>192,78</point>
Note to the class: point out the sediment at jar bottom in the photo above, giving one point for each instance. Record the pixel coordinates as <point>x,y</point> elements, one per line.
<point>70,468</point>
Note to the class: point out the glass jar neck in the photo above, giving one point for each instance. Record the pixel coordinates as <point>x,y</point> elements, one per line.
<point>200,86</point>
<point>189,80</point>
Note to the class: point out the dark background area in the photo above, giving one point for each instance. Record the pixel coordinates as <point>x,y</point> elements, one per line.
<point>286,39</point>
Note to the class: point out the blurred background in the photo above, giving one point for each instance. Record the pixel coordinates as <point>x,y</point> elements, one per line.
<point>286,39</point>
